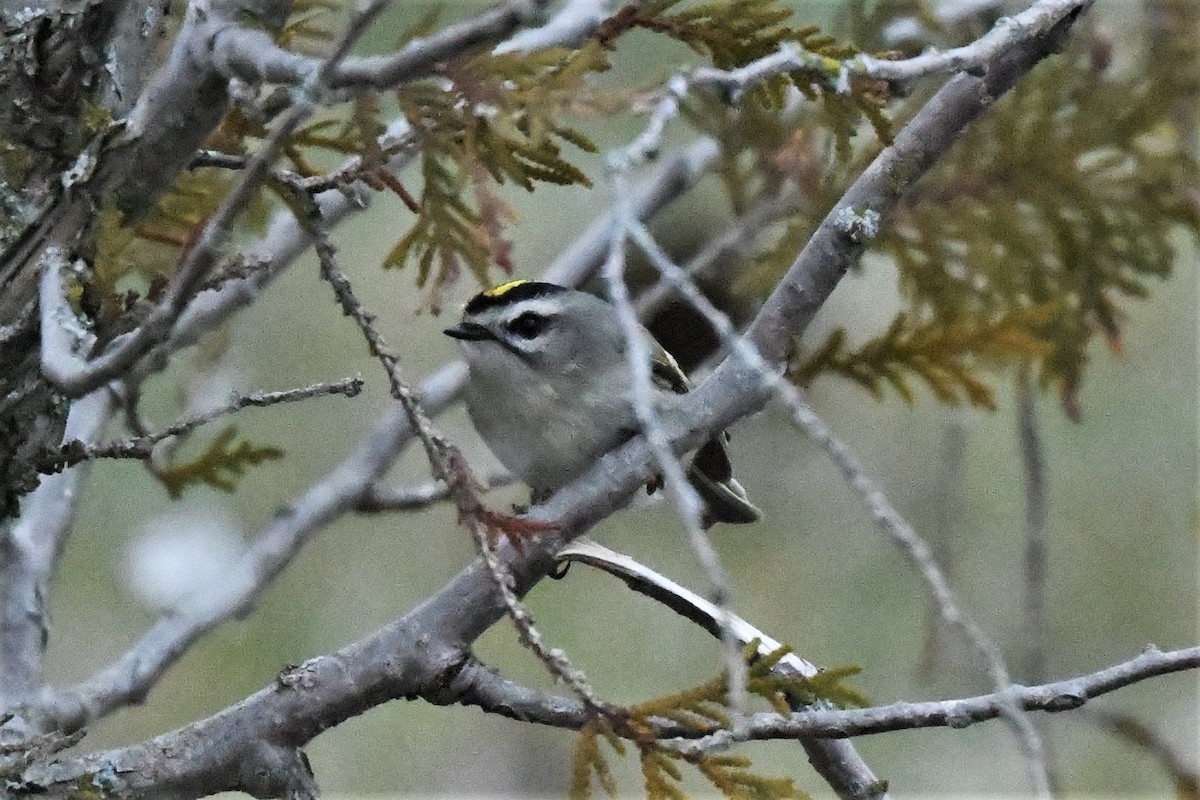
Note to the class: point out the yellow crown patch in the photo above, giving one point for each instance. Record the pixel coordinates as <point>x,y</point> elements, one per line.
<point>503,289</point>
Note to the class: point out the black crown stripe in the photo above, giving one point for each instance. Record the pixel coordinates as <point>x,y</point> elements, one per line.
<point>511,292</point>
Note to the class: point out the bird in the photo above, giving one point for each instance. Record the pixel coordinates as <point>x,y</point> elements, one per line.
<point>549,391</point>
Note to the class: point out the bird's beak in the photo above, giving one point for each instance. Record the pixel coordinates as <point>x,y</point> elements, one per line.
<point>469,332</point>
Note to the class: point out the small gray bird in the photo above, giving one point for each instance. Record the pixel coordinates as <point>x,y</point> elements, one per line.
<point>549,390</point>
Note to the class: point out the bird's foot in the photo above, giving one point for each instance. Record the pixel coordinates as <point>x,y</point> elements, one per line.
<point>516,529</point>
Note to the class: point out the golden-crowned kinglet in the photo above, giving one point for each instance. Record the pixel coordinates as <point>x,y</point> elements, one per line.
<point>549,390</point>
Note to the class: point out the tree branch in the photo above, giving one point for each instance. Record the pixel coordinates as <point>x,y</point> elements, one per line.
<point>252,55</point>
<point>75,451</point>
<point>29,552</point>
<point>1033,462</point>
<point>569,27</point>
<point>1052,697</point>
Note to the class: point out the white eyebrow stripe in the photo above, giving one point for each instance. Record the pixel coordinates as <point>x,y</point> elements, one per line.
<point>545,308</point>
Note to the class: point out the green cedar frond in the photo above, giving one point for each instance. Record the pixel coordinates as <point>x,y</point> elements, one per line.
<point>731,774</point>
<point>445,227</point>
<point>356,134</point>
<point>736,781</point>
<point>827,686</point>
<point>700,701</point>
<point>309,28</point>
<point>659,777</point>
<point>497,118</point>
<point>182,211</point>
<point>1063,194</point>
<point>219,466</point>
<point>1059,202</point>
<point>109,263</point>
<point>943,354</point>
<point>765,681</point>
<point>151,249</point>
<point>127,262</point>
<point>734,33</point>
<point>704,709</point>
<point>586,760</point>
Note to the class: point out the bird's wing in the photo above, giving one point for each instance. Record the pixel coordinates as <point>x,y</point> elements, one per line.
<point>711,471</point>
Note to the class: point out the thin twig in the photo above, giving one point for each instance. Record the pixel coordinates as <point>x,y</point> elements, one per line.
<point>217,159</point>
<point>355,168</point>
<point>957,714</point>
<point>416,498</point>
<point>1033,461</point>
<point>249,54</point>
<point>142,446</point>
<point>240,267</point>
<point>1140,734</point>
<point>686,498</point>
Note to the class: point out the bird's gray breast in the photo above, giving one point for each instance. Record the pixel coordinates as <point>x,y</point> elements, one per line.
<point>548,430</point>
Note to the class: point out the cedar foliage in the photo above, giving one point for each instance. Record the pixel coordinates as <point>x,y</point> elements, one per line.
<point>703,709</point>
<point>220,465</point>
<point>1025,242</point>
<point>488,120</point>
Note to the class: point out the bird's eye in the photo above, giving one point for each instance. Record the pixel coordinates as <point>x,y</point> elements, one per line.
<point>528,325</point>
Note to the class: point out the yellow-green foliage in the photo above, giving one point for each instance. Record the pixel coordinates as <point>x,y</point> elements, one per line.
<point>310,25</point>
<point>944,355</point>
<point>486,120</point>
<point>703,709</point>
<point>497,118</point>
<point>128,262</point>
<point>357,133</point>
<point>1023,242</point>
<point>1065,194</point>
<point>219,466</point>
<point>734,33</point>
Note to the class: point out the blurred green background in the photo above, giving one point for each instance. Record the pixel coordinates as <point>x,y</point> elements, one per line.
<point>816,573</point>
